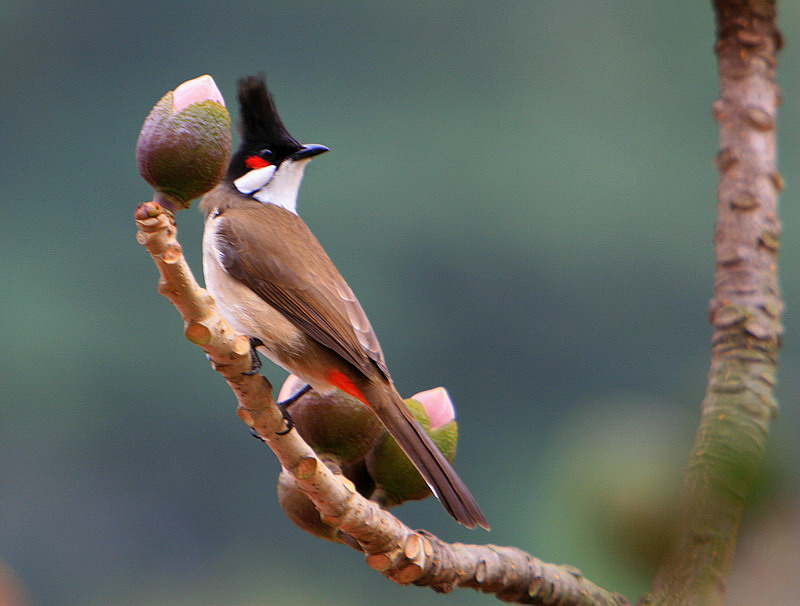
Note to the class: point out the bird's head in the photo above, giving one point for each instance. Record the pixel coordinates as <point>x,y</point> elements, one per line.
<point>269,164</point>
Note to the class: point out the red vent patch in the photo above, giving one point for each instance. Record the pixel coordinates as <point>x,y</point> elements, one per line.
<point>338,379</point>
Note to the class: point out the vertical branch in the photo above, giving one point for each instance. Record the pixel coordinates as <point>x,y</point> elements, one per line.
<point>745,312</point>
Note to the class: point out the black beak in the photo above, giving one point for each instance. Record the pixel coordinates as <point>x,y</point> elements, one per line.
<point>309,151</point>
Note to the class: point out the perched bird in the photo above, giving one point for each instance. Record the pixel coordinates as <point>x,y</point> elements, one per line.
<point>273,282</point>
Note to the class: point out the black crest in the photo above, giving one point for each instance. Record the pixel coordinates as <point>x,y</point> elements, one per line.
<point>260,119</point>
<point>261,127</point>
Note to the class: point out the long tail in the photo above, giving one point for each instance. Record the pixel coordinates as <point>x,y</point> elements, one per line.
<point>443,480</point>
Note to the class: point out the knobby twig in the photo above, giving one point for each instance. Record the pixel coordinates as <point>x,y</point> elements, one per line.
<point>404,555</point>
<point>745,312</point>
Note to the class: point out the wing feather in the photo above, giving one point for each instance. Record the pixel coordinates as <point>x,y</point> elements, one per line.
<point>303,283</point>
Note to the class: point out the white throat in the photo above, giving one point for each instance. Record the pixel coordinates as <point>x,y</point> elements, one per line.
<point>274,186</point>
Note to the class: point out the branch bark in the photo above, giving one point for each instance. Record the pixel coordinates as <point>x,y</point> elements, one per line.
<point>745,312</point>
<point>404,555</point>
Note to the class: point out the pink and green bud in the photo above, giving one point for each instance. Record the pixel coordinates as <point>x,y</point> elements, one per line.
<point>185,143</point>
<point>438,406</point>
<point>396,478</point>
<point>335,424</point>
<point>300,510</point>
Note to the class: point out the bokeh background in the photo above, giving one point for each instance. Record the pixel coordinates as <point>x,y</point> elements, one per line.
<point>521,193</point>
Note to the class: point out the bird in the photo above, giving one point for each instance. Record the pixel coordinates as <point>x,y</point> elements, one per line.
<point>273,281</point>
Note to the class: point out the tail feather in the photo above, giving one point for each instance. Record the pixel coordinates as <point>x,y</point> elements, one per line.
<point>443,480</point>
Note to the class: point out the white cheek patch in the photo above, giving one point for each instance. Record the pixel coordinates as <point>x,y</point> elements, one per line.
<point>255,179</point>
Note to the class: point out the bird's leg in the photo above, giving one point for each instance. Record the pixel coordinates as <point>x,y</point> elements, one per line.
<point>284,407</point>
<point>285,404</point>
<point>295,396</point>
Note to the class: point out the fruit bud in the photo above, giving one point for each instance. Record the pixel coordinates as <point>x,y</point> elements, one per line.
<point>396,478</point>
<point>185,143</point>
<point>438,406</point>
<point>300,510</point>
<point>335,424</point>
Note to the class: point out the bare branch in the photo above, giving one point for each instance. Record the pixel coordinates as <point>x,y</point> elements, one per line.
<point>392,548</point>
<point>745,312</point>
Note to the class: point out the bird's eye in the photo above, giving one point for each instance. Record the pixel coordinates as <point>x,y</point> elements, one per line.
<point>265,153</point>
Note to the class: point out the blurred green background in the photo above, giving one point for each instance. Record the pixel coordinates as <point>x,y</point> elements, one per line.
<point>522,195</point>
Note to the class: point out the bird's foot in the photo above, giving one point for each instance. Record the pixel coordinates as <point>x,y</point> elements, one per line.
<point>256,435</point>
<point>285,404</point>
<point>286,417</point>
<point>254,359</point>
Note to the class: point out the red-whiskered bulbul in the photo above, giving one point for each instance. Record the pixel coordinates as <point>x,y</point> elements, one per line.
<point>273,282</point>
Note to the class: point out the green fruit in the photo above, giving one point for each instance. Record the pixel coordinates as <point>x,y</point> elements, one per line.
<point>336,424</point>
<point>300,510</point>
<point>185,154</point>
<point>396,478</point>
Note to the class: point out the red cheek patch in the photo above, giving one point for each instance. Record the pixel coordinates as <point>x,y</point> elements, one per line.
<point>256,162</point>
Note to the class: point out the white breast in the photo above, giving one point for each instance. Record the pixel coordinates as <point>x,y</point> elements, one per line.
<point>241,307</point>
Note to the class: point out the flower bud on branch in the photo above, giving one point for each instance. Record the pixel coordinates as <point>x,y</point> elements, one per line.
<point>185,143</point>
<point>396,478</point>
